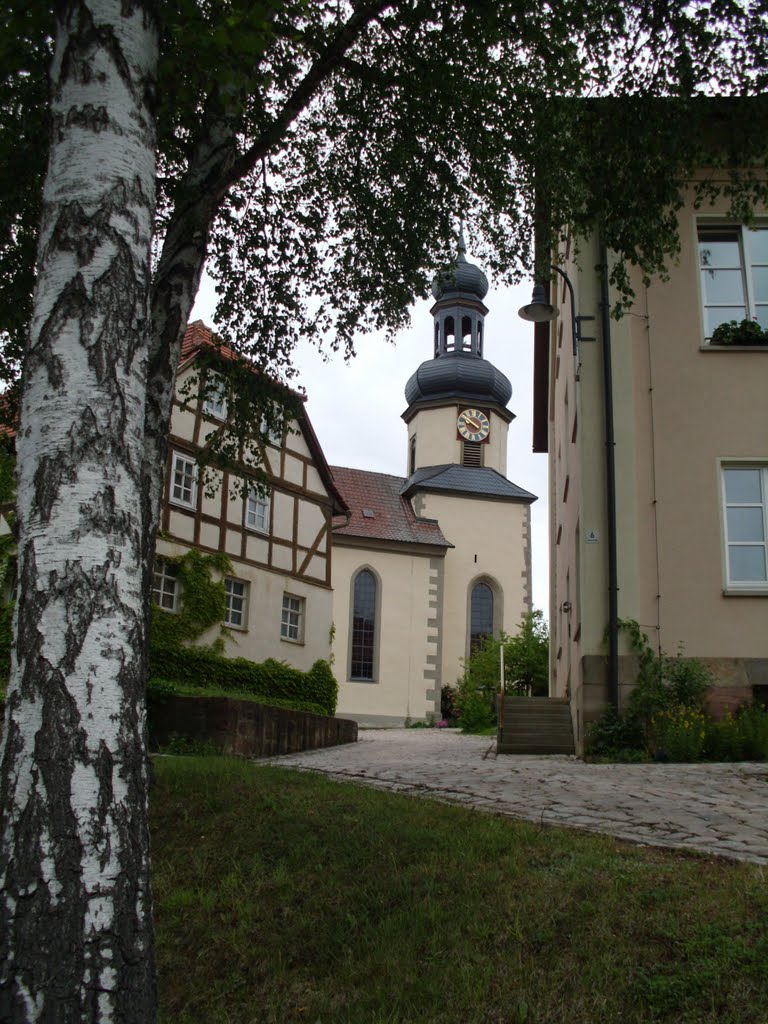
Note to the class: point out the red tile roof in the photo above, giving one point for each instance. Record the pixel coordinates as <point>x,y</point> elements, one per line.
<point>378,512</point>
<point>197,336</point>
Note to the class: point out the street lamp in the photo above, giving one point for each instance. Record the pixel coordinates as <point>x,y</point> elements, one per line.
<point>539,311</point>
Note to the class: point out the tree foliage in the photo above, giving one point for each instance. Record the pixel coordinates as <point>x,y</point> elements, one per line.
<point>526,671</point>
<point>321,153</point>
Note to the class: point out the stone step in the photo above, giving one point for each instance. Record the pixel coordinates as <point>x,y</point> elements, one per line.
<point>535,748</point>
<point>527,731</point>
<point>535,725</point>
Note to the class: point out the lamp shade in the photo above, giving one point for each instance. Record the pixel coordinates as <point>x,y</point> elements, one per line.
<point>538,309</point>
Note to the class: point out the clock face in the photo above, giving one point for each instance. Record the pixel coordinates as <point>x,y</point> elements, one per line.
<point>473,425</point>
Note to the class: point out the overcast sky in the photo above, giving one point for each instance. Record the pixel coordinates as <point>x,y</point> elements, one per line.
<point>355,408</point>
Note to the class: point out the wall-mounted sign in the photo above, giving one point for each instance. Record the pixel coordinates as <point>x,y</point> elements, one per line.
<point>593,536</point>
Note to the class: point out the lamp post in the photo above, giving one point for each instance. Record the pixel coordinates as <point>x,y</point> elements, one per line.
<point>539,311</point>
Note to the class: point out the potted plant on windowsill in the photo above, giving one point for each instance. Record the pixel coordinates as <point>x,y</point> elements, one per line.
<point>748,332</point>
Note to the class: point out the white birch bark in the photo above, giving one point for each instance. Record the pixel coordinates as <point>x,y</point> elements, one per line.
<point>75,915</point>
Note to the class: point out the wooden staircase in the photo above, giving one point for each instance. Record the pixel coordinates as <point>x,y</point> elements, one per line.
<point>535,725</point>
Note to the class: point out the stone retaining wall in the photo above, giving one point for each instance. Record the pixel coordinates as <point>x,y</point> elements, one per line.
<point>243,727</point>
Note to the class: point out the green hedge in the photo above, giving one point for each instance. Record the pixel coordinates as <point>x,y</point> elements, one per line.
<point>200,666</point>
<point>159,689</point>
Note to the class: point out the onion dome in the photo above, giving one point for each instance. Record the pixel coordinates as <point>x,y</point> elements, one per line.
<point>460,375</point>
<point>463,277</point>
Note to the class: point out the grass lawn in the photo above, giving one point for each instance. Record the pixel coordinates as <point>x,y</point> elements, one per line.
<point>284,897</point>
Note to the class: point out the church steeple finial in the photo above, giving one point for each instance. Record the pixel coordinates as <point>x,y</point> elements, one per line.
<point>462,243</point>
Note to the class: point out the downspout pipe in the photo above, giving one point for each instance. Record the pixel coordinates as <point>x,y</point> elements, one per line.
<point>610,485</point>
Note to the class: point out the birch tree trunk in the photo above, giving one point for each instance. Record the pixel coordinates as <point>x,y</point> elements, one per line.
<point>75,916</point>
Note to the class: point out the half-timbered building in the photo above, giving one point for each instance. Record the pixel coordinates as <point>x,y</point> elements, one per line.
<point>279,597</point>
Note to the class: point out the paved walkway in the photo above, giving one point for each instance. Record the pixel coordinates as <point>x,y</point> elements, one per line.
<point>719,809</point>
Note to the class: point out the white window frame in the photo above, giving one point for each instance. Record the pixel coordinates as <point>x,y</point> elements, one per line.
<point>165,583</point>
<point>236,592</point>
<point>292,618</point>
<point>740,586</point>
<point>746,265</point>
<point>256,509</point>
<point>183,482</point>
<point>215,403</point>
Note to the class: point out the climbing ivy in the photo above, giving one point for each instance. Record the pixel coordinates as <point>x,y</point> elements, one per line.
<point>203,601</point>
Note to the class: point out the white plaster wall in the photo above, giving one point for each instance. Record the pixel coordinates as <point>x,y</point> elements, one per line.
<point>399,691</point>
<point>490,540</point>
<point>437,442</point>
<point>311,521</point>
<point>262,638</point>
<point>293,470</point>
<point>182,422</point>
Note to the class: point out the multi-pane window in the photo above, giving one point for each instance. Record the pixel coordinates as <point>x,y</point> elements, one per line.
<point>257,511</point>
<point>733,264</point>
<point>165,586</point>
<point>746,525</point>
<point>363,626</point>
<point>237,603</point>
<point>184,480</point>
<point>292,620</point>
<point>215,403</point>
<point>480,615</point>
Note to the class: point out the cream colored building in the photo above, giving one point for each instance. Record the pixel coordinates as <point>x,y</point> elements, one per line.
<point>426,564</point>
<point>392,578</point>
<point>690,455</point>
<point>279,596</point>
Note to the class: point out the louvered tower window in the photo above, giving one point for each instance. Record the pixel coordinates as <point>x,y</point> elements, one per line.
<point>471,453</point>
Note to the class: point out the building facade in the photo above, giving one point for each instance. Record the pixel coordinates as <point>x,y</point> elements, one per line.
<point>673,533</point>
<point>279,591</point>
<point>393,579</point>
<point>428,563</point>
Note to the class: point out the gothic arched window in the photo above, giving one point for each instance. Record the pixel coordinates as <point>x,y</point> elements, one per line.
<point>480,615</point>
<point>363,652</point>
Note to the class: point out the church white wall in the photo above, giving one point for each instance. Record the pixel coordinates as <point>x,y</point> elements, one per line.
<point>492,544</point>
<point>437,442</point>
<point>408,613</point>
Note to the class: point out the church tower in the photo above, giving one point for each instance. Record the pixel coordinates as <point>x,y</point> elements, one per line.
<point>427,566</point>
<point>457,401</point>
<point>458,421</point>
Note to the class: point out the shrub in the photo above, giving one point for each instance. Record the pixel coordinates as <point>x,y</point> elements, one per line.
<point>665,684</point>
<point>613,736</point>
<point>678,733</point>
<point>475,705</point>
<point>186,746</point>
<point>526,656</point>
<point>448,710</point>
<point>743,737</point>
<point>201,666</point>
<point>526,670</point>
<point>323,687</point>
